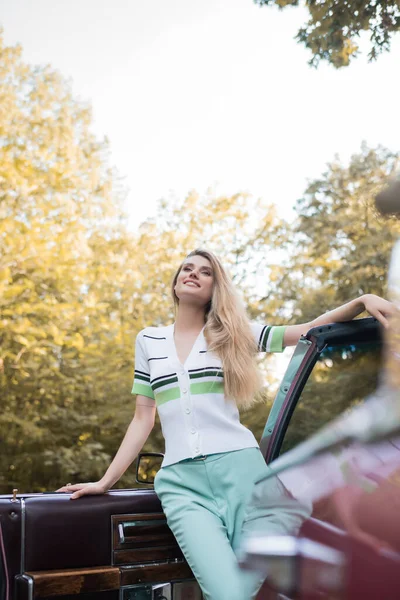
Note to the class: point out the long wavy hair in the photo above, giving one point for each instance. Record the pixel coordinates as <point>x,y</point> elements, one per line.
<point>228,334</point>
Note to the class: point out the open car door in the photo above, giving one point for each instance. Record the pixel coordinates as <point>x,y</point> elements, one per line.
<point>333,369</point>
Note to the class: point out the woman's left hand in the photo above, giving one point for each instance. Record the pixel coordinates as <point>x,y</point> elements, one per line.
<point>379,308</point>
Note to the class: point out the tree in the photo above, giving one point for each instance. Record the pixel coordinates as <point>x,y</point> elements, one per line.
<point>340,245</point>
<point>59,206</point>
<point>335,26</point>
<point>76,286</point>
<point>340,248</point>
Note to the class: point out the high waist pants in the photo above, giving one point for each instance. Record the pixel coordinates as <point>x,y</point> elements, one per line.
<point>211,504</point>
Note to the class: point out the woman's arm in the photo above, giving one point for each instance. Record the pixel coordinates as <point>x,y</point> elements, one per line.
<point>135,437</point>
<point>376,306</point>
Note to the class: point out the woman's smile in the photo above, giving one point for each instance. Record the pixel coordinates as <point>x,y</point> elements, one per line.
<point>196,273</point>
<point>191,283</point>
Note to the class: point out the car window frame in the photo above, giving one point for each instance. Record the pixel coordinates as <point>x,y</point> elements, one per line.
<point>305,356</point>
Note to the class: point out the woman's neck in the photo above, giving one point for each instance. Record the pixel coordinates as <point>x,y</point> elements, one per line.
<point>189,318</point>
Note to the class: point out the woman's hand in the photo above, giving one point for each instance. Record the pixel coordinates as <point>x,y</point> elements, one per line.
<point>83,489</point>
<point>379,308</point>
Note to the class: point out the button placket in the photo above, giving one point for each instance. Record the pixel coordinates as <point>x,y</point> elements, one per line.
<point>186,404</point>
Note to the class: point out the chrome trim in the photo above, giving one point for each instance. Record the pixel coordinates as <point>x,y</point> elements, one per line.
<point>3,564</point>
<point>23,535</point>
<point>278,558</point>
<point>164,591</point>
<point>145,587</point>
<point>317,551</point>
<point>112,542</point>
<point>151,587</point>
<point>30,582</point>
<point>137,566</point>
<point>289,546</point>
<point>140,522</point>
<point>130,521</point>
<point>121,533</point>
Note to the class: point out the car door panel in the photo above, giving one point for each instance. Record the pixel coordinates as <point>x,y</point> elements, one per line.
<point>105,547</point>
<point>369,572</point>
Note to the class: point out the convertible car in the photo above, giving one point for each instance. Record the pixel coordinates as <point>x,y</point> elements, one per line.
<point>119,547</point>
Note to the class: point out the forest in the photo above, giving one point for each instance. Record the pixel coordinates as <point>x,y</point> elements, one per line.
<point>77,285</point>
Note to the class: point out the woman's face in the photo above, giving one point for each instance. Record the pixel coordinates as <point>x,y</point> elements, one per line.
<point>195,281</point>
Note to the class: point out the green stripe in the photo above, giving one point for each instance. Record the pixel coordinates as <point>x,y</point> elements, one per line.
<point>142,377</point>
<point>144,390</point>
<point>207,387</point>
<point>277,339</point>
<point>167,395</point>
<point>159,384</point>
<point>265,339</point>
<point>206,374</point>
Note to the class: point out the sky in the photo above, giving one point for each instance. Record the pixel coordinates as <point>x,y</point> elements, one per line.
<point>208,94</point>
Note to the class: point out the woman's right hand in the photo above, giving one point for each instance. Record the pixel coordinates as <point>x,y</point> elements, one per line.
<point>83,489</point>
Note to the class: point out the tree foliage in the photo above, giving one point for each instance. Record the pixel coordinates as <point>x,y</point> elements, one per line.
<point>340,248</point>
<point>342,378</point>
<point>76,286</point>
<point>59,215</point>
<point>335,26</point>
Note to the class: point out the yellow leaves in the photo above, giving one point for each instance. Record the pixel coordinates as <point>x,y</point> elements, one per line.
<point>20,339</point>
<point>76,287</point>
<point>83,438</point>
<point>341,57</point>
<point>76,341</point>
<point>41,352</point>
<point>54,332</point>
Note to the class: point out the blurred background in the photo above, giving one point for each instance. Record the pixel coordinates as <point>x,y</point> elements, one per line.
<point>131,133</point>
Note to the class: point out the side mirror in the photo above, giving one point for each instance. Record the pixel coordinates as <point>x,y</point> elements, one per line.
<point>147,466</point>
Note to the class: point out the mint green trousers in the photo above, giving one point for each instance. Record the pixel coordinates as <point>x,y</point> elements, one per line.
<point>211,504</point>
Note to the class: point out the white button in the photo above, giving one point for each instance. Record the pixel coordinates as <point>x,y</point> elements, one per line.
<point>184,390</point>
<point>183,372</point>
<point>197,449</point>
<point>187,411</point>
<point>193,430</point>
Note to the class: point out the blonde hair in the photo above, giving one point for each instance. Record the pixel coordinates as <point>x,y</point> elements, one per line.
<point>228,334</point>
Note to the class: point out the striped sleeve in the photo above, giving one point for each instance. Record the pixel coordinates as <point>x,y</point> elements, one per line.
<point>269,338</point>
<point>141,383</point>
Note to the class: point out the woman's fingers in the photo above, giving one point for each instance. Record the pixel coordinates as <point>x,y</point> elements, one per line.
<point>71,488</point>
<point>82,489</point>
<point>378,315</point>
<point>88,489</point>
<point>382,319</point>
<point>64,488</point>
<point>381,309</point>
<point>78,494</point>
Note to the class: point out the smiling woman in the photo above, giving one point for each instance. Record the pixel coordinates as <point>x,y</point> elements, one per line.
<point>196,279</point>
<point>197,372</point>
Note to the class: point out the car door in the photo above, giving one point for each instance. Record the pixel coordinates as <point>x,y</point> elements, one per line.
<point>333,368</point>
<point>116,546</point>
